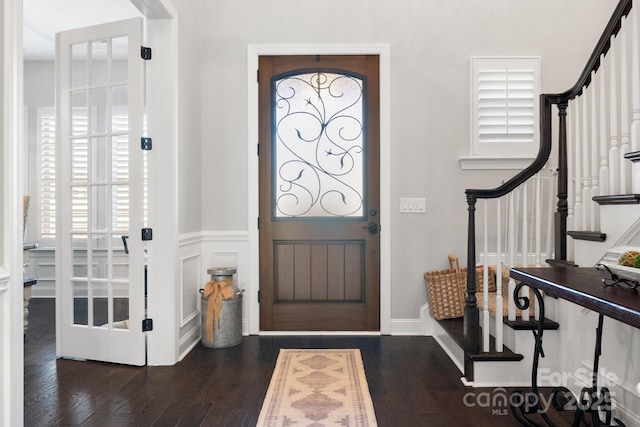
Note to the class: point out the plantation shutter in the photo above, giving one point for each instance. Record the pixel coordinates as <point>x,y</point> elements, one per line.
<point>48,174</point>
<point>505,106</point>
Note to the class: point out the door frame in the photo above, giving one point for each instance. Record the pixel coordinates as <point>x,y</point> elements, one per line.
<point>253,52</point>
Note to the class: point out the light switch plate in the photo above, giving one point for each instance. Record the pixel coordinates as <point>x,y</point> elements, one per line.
<point>413,205</point>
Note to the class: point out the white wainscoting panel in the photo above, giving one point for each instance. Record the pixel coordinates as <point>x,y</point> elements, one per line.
<point>42,265</point>
<point>188,297</point>
<point>190,284</point>
<point>230,249</point>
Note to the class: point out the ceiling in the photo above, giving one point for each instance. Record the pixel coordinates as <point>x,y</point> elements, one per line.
<point>44,18</point>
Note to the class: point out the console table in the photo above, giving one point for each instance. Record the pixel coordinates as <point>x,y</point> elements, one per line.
<point>584,287</point>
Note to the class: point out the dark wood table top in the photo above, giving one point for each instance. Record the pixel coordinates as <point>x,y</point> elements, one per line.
<point>583,286</point>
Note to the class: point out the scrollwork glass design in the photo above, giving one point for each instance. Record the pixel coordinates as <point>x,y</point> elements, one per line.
<point>319,145</point>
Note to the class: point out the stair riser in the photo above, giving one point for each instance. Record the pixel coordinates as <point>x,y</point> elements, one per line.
<point>518,374</point>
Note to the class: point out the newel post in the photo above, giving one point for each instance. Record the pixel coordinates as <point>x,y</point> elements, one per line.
<point>561,214</point>
<point>471,312</point>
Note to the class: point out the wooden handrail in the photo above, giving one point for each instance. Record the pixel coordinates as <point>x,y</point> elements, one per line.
<point>602,47</point>
<point>539,162</point>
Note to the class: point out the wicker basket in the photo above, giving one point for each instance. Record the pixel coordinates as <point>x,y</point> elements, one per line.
<point>446,289</point>
<point>445,292</point>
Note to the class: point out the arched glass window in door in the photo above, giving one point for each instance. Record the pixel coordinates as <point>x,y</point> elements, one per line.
<point>319,145</point>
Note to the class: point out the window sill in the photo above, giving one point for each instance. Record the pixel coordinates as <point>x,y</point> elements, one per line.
<point>495,163</point>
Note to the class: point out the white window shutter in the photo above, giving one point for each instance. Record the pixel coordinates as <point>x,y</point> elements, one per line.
<point>47,130</point>
<point>505,106</point>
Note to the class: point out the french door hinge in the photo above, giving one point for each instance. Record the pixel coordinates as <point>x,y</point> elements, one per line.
<point>147,234</point>
<point>145,53</point>
<point>147,325</point>
<point>258,75</point>
<point>146,143</point>
<point>258,296</point>
<point>258,149</point>
<point>258,221</point>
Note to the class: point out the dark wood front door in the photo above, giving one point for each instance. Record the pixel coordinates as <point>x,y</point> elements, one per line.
<point>319,193</point>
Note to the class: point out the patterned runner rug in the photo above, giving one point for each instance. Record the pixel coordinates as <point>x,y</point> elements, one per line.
<point>317,388</point>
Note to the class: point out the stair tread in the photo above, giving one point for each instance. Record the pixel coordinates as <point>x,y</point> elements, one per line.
<point>619,199</point>
<point>528,325</point>
<point>634,156</point>
<point>591,236</point>
<point>455,329</point>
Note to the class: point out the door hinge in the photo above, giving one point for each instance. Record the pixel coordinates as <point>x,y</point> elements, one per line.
<point>258,296</point>
<point>258,221</point>
<point>147,234</point>
<point>147,325</point>
<point>258,149</point>
<point>145,53</point>
<point>146,143</point>
<point>258,76</point>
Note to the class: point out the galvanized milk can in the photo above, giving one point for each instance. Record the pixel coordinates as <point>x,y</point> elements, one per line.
<point>221,309</point>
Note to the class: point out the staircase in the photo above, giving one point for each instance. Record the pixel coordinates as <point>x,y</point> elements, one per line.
<point>507,367</point>
<point>581,212</point>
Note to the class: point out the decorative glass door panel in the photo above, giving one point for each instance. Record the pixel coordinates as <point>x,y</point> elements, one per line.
<point>319,146</point>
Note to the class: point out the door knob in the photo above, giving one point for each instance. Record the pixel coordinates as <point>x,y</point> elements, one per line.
<point>372,228</point>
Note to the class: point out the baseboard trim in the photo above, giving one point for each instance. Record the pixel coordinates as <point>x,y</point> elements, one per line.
<point>411,327</point>
<point>190,339</point>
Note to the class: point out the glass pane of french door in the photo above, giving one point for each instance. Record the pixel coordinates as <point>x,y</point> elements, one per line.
<point>99,194</point>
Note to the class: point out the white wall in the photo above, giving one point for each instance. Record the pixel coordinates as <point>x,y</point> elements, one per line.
<point>191,179</point>
<point>431,42</point>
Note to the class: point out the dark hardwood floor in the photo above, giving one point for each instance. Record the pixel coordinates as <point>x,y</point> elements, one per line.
<point>412,383</point>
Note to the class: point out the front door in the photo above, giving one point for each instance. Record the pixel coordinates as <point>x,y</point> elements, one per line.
<point>99,185</point>
<point>319,193</point>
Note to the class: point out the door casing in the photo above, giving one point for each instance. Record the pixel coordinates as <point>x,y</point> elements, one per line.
<point>253,53</point>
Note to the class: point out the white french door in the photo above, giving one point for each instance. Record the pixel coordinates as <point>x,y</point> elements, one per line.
<point>99,184</point>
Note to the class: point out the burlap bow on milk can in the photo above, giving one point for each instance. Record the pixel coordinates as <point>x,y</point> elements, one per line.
<point>216,291</point>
